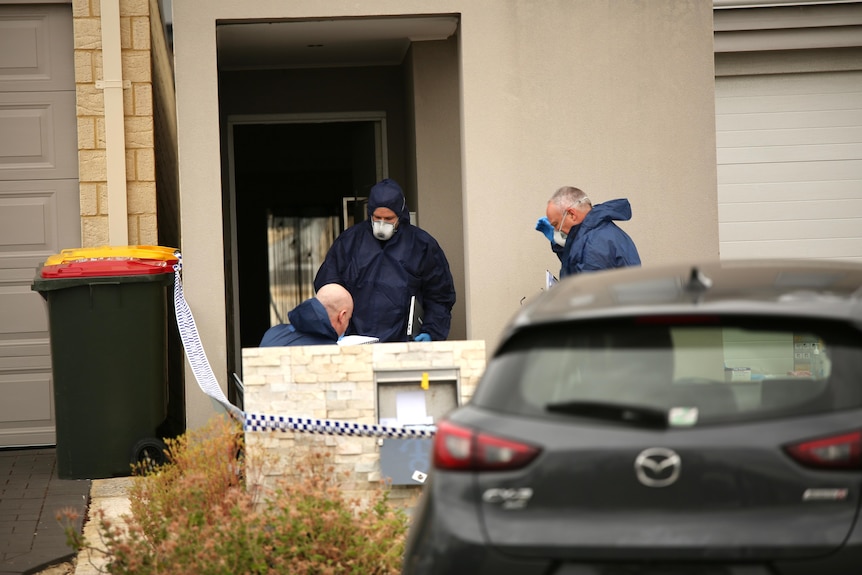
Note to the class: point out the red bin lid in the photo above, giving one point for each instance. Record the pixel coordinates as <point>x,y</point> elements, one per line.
<point>107,267</point>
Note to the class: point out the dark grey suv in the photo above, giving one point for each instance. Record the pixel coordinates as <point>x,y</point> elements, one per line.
<point>697,420</point>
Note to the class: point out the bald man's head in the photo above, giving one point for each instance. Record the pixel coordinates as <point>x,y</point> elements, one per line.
<point>339,306</point>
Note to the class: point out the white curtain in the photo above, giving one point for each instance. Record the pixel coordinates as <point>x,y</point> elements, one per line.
<point>297,247</point>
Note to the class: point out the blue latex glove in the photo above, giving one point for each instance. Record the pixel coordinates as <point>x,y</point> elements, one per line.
<point>422,337</point>
<point>544,226</point>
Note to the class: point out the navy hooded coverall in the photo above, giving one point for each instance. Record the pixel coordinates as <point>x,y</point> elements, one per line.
<point>382,275</point>
<point>309,325</point>
<point>598,243</point>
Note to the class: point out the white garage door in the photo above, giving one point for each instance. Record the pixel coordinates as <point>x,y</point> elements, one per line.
<point>39,204</point>
<point>790,165</point>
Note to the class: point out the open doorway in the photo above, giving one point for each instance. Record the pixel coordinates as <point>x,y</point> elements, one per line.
<point>296,181</point>
<point>306,124</point>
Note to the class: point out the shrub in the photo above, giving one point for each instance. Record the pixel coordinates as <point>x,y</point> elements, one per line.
<point>195,515</point>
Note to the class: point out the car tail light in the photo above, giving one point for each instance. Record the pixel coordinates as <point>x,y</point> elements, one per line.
<point>460,448</point>
<point>834,452</point>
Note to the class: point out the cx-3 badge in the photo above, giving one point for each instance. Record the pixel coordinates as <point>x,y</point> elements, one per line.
<point>516,498</point>
<point>657,466</point>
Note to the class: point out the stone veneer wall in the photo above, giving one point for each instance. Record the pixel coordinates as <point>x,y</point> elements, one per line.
<point>337,382</point>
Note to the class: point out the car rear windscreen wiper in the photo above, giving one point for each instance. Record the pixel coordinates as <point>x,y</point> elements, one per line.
<point>631,414</point>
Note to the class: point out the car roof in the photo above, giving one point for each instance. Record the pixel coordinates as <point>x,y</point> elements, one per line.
<point>816,288</point>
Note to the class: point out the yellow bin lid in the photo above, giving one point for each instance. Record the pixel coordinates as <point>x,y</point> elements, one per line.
<point>157,253</point>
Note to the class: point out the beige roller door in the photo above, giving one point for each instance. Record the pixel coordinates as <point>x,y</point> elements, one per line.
<point>39,204</point>
<point>790,165</point>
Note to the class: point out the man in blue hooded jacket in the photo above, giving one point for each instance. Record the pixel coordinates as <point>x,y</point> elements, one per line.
<point>383,262</point>
<point>320,320</point>
<point>585,237</point>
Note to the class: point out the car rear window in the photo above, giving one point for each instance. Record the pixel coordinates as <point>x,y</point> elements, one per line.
<point>695,370</point>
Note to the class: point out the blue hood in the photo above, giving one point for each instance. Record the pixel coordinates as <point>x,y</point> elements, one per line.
<point>613,210</point>
<point>388,194</point>
<point>310,318</point>
<point>309,325</point>
<point>598,243</point>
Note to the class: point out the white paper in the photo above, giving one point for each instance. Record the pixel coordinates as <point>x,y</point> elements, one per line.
<point>550,280</point>
<point>357,339</point>
<point>410,407</point>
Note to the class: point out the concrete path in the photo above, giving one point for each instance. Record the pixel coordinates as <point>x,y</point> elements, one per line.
<point>110,497</point>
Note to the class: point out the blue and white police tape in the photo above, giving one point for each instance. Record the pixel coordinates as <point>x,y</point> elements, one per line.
<point>194,349</point>
<point>208,383</point>
<point>259,422</point>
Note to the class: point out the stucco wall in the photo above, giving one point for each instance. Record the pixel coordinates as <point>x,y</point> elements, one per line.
<point>614,97</point>
<point>165,134</point>
<point>436,162</point>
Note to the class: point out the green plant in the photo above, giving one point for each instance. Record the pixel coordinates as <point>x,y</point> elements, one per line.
<point>195,515</point>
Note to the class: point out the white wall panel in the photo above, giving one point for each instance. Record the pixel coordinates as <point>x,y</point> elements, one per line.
<point>789,152</point>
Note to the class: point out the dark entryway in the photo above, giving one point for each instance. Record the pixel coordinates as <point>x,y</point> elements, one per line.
<point>293,182</point>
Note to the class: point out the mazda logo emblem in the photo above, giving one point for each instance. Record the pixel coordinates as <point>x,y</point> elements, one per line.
<point>657,467</point>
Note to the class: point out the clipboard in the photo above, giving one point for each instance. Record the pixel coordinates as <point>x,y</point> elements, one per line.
<point>414,317</point>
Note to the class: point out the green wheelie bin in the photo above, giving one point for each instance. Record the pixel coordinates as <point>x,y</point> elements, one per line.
<point>107,320</point>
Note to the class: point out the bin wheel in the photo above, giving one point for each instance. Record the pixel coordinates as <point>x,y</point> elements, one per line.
<point>148,454</point>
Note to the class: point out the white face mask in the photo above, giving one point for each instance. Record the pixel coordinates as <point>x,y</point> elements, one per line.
<point>559,235</point>
<point>382,230</point>
<point>560,238</point>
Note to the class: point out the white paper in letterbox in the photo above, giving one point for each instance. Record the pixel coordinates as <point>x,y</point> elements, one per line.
<point>410,408</point>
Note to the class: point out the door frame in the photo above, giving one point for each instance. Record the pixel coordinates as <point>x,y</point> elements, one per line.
<point>382,169</point>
